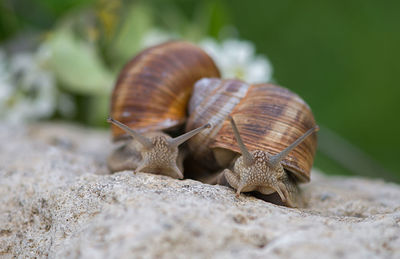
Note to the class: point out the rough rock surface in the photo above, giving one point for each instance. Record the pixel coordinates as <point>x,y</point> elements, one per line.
<point>57,200</point>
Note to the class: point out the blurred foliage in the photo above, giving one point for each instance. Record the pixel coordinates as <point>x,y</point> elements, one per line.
<point>340,56</point>
<point>89,75</point>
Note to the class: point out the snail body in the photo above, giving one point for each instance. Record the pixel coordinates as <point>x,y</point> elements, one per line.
<point>269,118</point>
<point>150,96</point>
<point>260,171</point>
<point>153,152</point>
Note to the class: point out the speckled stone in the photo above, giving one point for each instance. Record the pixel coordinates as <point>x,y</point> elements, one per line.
<point>58,201</point>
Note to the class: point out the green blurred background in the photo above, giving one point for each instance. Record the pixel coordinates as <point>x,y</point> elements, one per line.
<point>340,56</point>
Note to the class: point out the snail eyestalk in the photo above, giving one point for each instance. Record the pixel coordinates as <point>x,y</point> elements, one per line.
<point>276,159</point>
<point>175,142</point>
<point>136,135</point>
<point>247,157</point>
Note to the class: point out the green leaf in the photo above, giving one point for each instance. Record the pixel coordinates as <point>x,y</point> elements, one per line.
<point>137,21</point>
<point>77,65</point>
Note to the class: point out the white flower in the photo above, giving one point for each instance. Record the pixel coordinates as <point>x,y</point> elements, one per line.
<point>237,59</point>
<point>5,85</point>
<point>27,88</point>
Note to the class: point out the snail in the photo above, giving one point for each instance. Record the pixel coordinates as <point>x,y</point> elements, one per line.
<point>154,152</point>
<point>269,118</point>
<point>150,96</point>
<point>260,171</point>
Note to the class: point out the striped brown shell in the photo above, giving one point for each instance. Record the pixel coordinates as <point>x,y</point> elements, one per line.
<point>153,89</point>
<point>268,117</point>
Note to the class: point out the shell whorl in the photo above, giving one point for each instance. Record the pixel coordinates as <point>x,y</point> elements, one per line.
<point>212,101</point>
<point>153,89</point>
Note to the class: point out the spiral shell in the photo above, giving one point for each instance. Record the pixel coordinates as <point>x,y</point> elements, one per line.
<point>153,89</point>
<point>268,117</point>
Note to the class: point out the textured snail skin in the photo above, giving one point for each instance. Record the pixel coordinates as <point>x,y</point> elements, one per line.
<point>262,172</point>
<point>263,178</point>
<point>153,89</point>
<point>155,153</point>
<point>268,117</point>
<point>160,160</point>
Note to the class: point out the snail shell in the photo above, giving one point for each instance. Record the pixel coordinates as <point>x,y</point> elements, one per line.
<point>153,89</point>
<point>268,118</point>
<point>151,95</point>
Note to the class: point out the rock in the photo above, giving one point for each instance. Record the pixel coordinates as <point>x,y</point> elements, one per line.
<point>57,200</point>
